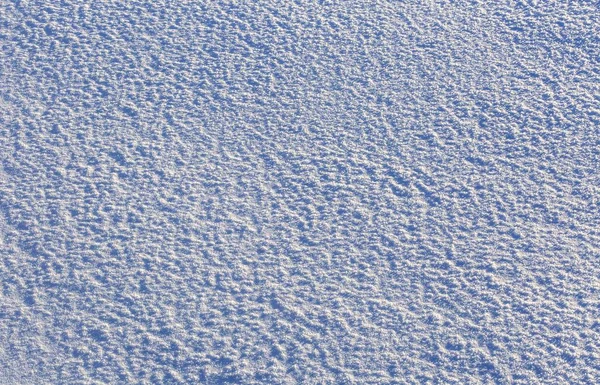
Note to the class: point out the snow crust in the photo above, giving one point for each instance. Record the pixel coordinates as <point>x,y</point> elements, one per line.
<point>299,192</point>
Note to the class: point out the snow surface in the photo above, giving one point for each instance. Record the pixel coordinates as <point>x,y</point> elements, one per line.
<point>299,192</point>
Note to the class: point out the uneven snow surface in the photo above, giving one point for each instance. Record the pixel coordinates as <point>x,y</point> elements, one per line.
<point>299,192</point>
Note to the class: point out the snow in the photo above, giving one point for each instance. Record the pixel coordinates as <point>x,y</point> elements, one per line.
<point>299,192</point>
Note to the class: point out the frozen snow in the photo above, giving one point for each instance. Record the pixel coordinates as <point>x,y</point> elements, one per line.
<point>299,192</point>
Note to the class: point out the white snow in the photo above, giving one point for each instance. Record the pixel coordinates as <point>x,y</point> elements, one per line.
<point>299,192</point>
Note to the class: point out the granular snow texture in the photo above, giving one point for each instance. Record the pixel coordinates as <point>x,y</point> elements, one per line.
<point>299,192</point>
